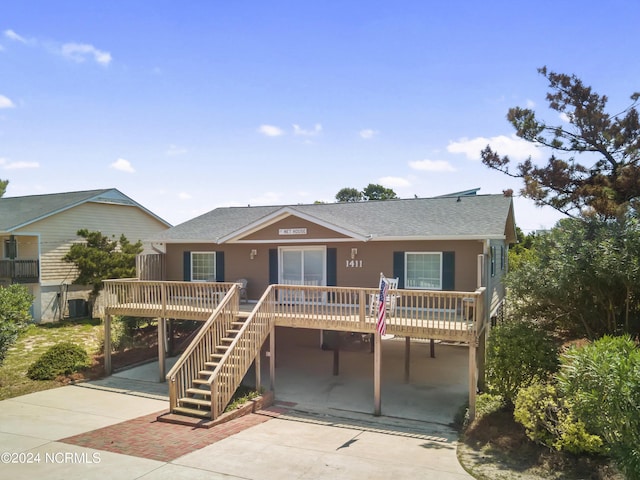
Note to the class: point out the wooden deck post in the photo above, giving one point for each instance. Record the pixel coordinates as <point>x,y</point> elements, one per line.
<point>407,358</point>
<point>258,372</point>
<point>107,344</point>
<point>482,345</point>
<point>377,361</point>
<point>272,359</point>
<point>162,334</point>
<point>472,378</point>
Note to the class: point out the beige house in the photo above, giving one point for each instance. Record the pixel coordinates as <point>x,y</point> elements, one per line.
<point>36,232</point>
<point>318,267</point>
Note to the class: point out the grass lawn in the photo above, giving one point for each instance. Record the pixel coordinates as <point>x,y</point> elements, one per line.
<point>33,343</point>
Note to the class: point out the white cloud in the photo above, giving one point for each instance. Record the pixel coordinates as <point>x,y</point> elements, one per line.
<point>564,117</point>
<point>6,102</point>
<point>7,165</point>
<point>367,133</point>
<point>297,130</point>
<point>184,196</point>
<point>175,150</point>
<point>11,35</point>
<point>432,165</point>
<point>79,52</point>
<point>512,146</point>
<point>394,182</point>
<point>270,130</point>
<point>530,103</point>
<point>122,165</point>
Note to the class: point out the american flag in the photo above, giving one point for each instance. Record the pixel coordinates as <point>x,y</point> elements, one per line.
<point>381,326</point>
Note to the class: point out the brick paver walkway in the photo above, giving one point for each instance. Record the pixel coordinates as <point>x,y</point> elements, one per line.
<point>148,438</point>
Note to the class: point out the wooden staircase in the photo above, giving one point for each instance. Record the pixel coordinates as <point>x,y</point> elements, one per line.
<point>197,402</point>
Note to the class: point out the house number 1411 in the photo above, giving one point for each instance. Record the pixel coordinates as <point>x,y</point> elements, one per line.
<point>354,263</point>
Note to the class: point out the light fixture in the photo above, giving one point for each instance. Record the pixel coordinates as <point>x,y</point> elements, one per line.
<point>253,253</point>
<point>354,252</point>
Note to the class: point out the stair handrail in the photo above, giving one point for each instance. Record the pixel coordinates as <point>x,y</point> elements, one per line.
<point>264,310</point>
<point>230,302</point>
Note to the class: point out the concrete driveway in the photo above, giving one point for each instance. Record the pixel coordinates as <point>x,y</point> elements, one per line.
<point>322,427</point>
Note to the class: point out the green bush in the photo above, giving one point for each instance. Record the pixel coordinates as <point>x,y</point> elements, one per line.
<point>601,379</point>
<point>548,420</point>
<point>518,354</point>
<point>15,302</point>
<point>61,359</point>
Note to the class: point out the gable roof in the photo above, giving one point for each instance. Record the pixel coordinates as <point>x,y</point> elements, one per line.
<point>464,217</point>
<point>18,212</point>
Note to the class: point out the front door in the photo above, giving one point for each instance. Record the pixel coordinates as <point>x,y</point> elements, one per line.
<point>302,266</point>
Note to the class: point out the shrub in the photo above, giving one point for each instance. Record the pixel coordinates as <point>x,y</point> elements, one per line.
<point>61,359</point>
<point>548,420</point>
<point>15,302</point>
<point>518,354</point>
<point>601,381</point>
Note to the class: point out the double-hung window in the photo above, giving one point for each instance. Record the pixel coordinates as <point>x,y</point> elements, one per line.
<point>203,266</point>
<point>423,270</point>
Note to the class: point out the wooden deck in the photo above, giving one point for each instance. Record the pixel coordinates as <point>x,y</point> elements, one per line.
<point>452,316</point>
<point>209,371</point>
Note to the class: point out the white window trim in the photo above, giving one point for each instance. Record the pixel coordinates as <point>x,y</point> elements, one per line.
<point>320,248</point>
<point>406,254</point>
<point>215,273</point>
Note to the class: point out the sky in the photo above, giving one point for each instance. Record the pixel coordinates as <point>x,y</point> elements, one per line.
<point>189,106</point>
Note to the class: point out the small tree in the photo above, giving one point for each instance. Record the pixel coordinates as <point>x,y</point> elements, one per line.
<point>15,302</point>
<point>378,192</point>
<point>518,354</point>
<point>3,187</point>
<point>101,258</point>
<point>349,195</point>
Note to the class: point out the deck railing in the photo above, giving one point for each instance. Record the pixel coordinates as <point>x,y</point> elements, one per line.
<point>187,300</point>
<point>199,351</point>
<point>26,271</point>
<point>235,363</point>
<point>438,314</point>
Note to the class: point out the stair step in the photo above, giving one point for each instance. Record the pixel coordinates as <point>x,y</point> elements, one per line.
<point>195,401</point>
<point>205,373</point>
<point>237,324</point>
<point>211,364</point>
<point>199,391</point>
<point>217,356</point>
<point>199,381</point>
<point>227,339</point>
<point>192,412</point>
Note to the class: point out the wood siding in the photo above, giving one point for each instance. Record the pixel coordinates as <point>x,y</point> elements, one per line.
<point>58,233</point>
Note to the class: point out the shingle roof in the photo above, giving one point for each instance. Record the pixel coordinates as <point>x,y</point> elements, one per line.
<point>16,212</point>
<point>477,216</point>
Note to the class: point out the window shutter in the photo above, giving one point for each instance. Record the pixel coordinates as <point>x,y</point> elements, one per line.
<point>448,270</point>
<point>186,266</point>
<point>273,266</point>
<point>219,266</point>
<point>398,268</point>
<point>332,267</point>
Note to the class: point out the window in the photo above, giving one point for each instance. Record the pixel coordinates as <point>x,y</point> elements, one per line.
<point>10,248</point>
<point>423,270</point>
<point>492,254</point>
<point>203,266</point>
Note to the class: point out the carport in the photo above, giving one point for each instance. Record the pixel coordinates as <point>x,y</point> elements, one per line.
<point>304,375</point>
